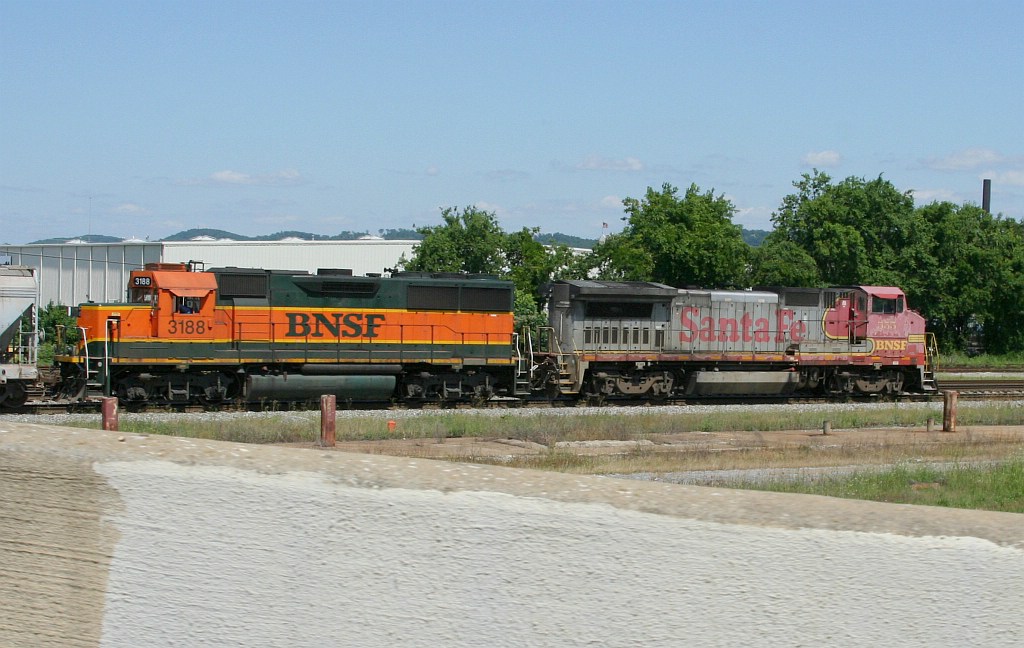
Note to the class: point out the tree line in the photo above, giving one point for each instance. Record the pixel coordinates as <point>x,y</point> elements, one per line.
<point>961,267</point>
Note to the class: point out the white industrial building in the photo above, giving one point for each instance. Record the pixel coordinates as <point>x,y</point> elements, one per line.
<point>73,273</point>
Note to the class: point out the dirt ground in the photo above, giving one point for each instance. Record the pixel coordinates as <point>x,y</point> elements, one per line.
<point>977,442</point>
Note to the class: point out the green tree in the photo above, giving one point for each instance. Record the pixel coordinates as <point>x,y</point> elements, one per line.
<point>680,241</point>
<point>779,262</point>
<point>857,231</point>
<point>528,314</point>
<point>53,318</point>
<point>1002,328</point>
<point>472,241</point>
<point>469,240</point>
<point>954,296</point>
<point>55,325</point>
<point>529,263</point>
<point>972,280</point>
<point>622,257</point>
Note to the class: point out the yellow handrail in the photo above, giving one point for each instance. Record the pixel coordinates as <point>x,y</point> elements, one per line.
<point>931,353</point>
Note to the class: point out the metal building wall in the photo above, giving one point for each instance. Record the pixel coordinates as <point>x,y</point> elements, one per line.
<point>73,273</point>
<point>360,256</point>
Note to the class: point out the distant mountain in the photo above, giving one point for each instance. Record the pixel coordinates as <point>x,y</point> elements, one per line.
<point>754,237</point>
<point>401,235</point>
<point>87,238</point>
<point>558,238</point>
<point>390,235</point>
<point>192,234</point>
<point>291,234</point>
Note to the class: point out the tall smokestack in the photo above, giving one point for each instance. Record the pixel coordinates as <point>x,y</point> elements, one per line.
<point>986,195</point>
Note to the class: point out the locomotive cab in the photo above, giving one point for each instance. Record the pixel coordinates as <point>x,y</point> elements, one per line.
<point>181,302</point>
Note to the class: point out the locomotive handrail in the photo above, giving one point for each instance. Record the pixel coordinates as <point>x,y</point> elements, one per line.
<point>517,340</point>
<point>552,340</point>
<point>85,346</point>
<point>931,355</point>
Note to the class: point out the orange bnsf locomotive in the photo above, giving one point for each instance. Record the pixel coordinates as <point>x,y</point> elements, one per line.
<point>253,335</point>
<point>264,335</point>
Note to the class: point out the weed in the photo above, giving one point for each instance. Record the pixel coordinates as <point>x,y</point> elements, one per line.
<point>997,487</point>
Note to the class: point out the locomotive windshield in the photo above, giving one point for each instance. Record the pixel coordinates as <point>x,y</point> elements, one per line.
<point>887,306</point>
<point>143,296</point>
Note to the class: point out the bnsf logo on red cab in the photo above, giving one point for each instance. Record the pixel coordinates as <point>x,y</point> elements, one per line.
<point>890,345</point>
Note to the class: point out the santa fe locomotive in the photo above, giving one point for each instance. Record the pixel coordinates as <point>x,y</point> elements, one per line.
<point>253,335</point>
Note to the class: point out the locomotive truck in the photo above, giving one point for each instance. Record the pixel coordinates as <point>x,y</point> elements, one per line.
<point>253,335</point>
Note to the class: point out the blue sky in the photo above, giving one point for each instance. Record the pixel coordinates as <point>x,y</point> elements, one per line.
<point>144,118</point>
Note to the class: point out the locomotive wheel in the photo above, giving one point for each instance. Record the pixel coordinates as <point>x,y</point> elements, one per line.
<point>12,395</point>
<point>593,400</point>
<point>215,390</point>
<point>552,390</point>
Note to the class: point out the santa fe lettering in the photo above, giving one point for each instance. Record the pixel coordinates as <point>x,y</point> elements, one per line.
<point>728,329</point>
<point>338,325</point>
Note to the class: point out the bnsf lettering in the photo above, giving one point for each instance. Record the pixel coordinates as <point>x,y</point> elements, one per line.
<point>746,328</point>
<point>890,345</point>
<point>339,325</point>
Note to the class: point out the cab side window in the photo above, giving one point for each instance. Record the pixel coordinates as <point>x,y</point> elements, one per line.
<point>186,305</point>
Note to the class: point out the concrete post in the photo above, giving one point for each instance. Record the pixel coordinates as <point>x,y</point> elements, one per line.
<point>826,428</point>
<point>949,411</point>
<point>328,416</point>
<point>108,408</point>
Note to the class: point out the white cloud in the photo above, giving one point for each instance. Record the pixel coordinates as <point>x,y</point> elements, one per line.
<point>1012,177</point>
<point>491,207</point>
<point>598,163</point>
<point>507,175</point>
<point>232,177</point>
<point>926,196</point>
<point>823,159</point>
<point>754,217</point>
<point>432,170</point>
<point>611,202</point>
<point>966,160</point>
<point>129,208</point>
<point>286,177</point>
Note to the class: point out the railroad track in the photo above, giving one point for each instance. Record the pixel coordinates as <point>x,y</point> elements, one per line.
<point>990,389</point>
<point>968,386</point>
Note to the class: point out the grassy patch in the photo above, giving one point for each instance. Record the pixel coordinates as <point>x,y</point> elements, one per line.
<point>984,361</point>
<point>992,488</point>
<point>286,427</point>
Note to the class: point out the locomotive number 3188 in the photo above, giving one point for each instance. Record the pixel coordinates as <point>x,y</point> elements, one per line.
<point>186,327</point>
